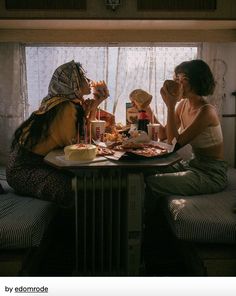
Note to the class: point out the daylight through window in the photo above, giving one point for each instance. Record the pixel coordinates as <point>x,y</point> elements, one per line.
<point>123,68</point>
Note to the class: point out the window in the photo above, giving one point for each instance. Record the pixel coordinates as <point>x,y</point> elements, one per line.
<point>123,68</point>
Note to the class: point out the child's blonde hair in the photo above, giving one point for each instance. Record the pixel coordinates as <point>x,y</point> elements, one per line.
<point>140,97</point>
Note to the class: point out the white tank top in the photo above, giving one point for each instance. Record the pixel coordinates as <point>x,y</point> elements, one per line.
<point>211,136</point>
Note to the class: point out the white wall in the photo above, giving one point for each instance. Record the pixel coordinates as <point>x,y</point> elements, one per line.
<point>227,52</point>
<point>12,104</point>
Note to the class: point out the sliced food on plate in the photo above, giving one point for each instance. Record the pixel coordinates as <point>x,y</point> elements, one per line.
<point>149,151</point>
<point>103,151</point>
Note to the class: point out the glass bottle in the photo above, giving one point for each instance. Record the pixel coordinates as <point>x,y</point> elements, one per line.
<point>143,121</point>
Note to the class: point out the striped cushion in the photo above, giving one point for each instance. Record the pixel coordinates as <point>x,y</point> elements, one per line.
<point>203,218</point>
<point>231,179</point>
<point>206,217</point>
<point>23,220</point>
<point>1,189</point>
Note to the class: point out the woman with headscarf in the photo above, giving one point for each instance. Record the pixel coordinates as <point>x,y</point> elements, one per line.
<point>54,125</point>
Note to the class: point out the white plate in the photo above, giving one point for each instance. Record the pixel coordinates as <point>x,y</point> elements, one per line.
<point>78,162</point>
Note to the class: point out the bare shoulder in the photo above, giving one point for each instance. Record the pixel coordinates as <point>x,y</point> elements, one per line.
<point>209,112</point>
<point>208,108</point>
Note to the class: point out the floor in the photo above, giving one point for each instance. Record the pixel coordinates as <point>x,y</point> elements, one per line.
<point>59,259</point>
<point>160,252</point>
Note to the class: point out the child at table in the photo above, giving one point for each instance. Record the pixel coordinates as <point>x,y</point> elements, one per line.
<point>54,125</point>
<point>141,100</point>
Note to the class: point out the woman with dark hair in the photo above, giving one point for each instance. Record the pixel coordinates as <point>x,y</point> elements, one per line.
<point>54,125</point>
<point>192,121</point>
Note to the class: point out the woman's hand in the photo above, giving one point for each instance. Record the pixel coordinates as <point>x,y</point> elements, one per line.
<point>100,91</point>
<point>90,107</point>
<point>168,98</point>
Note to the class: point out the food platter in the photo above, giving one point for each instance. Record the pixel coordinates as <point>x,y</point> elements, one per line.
<point>135,151</point>
<point>146,154</point>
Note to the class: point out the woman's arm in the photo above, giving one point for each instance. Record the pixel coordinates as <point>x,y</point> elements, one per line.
<point>63,129</point>
<point>100,93</point>
<point>173,120</point>
<point>205,117</point>
<point>162,130</point>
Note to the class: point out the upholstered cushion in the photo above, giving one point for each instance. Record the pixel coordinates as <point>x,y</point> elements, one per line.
<point>1,189</point>
<point>2,177</point>
<point>204,218</point>
<point>23,220</point>
<point>231,179</point>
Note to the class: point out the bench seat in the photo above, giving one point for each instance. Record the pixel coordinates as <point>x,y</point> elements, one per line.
<point>23,220</point>
<point>24,223</point>
<point>205,230</point>
<point>206,218</point>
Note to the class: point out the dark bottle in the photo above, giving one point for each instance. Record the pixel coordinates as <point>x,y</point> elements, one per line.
<point>143,121</point>
<point>80,124</point>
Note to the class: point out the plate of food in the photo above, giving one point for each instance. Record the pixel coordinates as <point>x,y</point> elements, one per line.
<point>146,151</point>
<point>140,151</point>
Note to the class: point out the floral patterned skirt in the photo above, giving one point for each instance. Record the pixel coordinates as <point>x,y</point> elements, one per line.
<point>29,175</point>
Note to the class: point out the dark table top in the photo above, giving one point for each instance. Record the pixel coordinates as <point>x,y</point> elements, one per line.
<point>56,159</point>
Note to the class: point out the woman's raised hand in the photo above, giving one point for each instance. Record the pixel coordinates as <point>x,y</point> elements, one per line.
<point>169,99</point>
<point>99,90</point>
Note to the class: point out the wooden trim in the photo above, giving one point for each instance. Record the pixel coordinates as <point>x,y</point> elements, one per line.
<point>177,5</point>
<point>229,115</point>
<point>45,4</point>
<point>74,36</point>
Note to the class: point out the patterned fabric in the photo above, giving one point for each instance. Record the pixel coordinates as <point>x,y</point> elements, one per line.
<point>23,221</point>
<point>26,171</point>
<point>204,218</point>
<point>28,174</point>
<point>65,85</point>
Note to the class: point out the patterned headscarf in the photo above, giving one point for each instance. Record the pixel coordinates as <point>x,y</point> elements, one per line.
<point>65,85</point>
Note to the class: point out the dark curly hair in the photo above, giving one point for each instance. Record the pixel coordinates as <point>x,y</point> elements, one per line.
<point>200,76</point>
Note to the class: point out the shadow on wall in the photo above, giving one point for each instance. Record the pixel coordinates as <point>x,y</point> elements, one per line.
<point>12,94</point>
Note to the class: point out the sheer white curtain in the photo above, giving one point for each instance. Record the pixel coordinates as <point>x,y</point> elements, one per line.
<point>123,68</point>
<point>41,62</point>
<point>211,54</point>
<point>147,68</point>
<point>12,93</point>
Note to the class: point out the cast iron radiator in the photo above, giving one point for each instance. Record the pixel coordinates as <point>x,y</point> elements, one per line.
<point>109,222</point>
